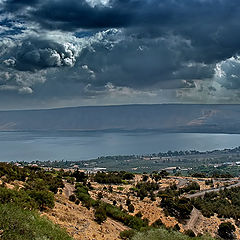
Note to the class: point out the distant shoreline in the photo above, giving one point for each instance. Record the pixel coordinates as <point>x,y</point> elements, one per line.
<point>159,131</point>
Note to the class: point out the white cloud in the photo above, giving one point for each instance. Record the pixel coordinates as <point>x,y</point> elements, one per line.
<point>94,3</point>
<point>25,90</point>
<point>227,73</point>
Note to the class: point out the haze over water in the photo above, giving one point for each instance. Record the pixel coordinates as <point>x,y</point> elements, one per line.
<point>30,146</point>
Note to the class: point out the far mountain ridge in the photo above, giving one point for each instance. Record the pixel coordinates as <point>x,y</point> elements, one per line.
<point>162,117</point>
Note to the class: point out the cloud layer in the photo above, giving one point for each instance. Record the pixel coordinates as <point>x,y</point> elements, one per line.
<point>119,51</point>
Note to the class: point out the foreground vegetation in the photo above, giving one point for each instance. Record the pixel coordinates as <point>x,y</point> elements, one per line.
<point>162,233</point>
<point>19,206</point>
<point>27,191</point>
<point>20,224</point>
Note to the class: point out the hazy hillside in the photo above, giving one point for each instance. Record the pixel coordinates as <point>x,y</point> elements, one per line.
<point>166,117</point>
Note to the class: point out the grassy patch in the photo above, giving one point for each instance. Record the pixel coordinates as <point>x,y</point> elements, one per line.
<point>19,224</point>
<point>164,234</point>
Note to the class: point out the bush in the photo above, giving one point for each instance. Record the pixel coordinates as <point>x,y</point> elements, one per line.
<point>177,207</point>
<point>100,214</point>
<point>226,230</point>
<point>30,199</point>
<point>44,199</point>
<point>127,234</point>
<point>99,195</point>
<point>128,202</point>
<point>79,176</point>
<point>190,233</point>
<point>225,203</point>
<point>176,227</point>
<point>144,178</point>
<point>131,208</point>
<point>107,178</point>
<point>158,223</point>
<point>110,189</point>
<point>121,216</point>
<point>72,198</point>
<point>139,214</point>
<point>191,186</point>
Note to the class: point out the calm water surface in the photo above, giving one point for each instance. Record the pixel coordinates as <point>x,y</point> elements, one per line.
<point>29,146</point>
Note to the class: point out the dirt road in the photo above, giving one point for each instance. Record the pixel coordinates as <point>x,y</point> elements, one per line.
<point>195,214</point>
<point>68,189</point>
<point>202,193</point>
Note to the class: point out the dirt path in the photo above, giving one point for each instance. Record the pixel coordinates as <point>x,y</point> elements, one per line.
<point>181,182</point>
<point>68,189</point>
<point>117,225</point>
<point>195,214</point>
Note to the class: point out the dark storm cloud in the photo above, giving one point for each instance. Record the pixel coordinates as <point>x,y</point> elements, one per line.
<point>208,24</point>
<point>155,44</point>
<point>36,54</point>
<point>144,63</point>
<point>170,14</point>
<point>15,5</point>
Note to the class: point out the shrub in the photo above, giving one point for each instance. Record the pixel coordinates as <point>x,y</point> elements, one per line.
<point>72,198</point>
<point>226,230</point>
<point>128,202</point>
<point>139,214</point>
<point>30,199</point>
<point>100,214</point>
<point>44,199</point>
<point>79,176</point>
<point>177,207</point>
<point>191,186</point>
<point>144,178</point>
<point>190,233</point>
<point>176,227</point>
<point>127,234</point>
<point>99,195</point>
<point>110,189</point>
<point>131,208</point>
<point>158,223</point>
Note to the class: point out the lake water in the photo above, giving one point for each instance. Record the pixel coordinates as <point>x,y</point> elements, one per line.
<point>29,146</point>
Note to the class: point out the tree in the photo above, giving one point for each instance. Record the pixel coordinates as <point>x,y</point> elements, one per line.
<point>100,214</point>
<point>190,233</point>
<point>152,196</point>
<point>99,195</point>
<point>127,234</point>
<point>226,230</point>
<point>158,223</point>
<point>110,189</point>
<point>72,198</point>
<point>128,202</point>
<point>131,208</point>
<point>80,176</point>
<point>139,214</point>
<point>44,199</point>
<point>144,178</point>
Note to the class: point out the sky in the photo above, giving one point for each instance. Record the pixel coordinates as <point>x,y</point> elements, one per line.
<point>58,53</point>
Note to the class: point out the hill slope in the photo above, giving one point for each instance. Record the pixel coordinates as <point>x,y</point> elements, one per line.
<point>165,117</point>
